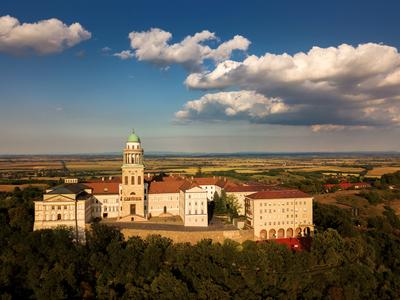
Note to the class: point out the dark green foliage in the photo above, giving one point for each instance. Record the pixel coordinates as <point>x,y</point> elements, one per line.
<point>373,197</point>
<point>392,178</point>
<point>220,203</point>
<point>329,216</point>
<point>343,263</point>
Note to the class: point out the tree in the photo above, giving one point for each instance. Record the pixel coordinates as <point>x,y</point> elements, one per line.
<point>232,206</point>
<point>220,203</point>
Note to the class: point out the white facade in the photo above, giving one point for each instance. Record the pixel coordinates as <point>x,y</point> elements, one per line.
<point>280,218</point>
<point>106,206</point>
<point>211,189</point>
<point>193,207</point>
<point>163,203</point>
<point>63,210</point>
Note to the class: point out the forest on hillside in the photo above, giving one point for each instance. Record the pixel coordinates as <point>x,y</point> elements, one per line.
<point>345,262</point>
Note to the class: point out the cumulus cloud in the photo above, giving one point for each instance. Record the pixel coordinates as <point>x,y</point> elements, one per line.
<point>238,105</point>
<point>44,37</point>
<point>335,86</point>
<point>126,54</point>
<point>153,46</point>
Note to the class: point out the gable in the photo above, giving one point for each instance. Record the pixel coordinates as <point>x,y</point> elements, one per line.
<point>196,189</point>
<point>58,198</point>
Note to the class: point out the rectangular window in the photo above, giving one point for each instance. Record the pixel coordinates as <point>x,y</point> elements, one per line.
<point>139,180</point>
<point>126,180</point>
<point>132,180</point>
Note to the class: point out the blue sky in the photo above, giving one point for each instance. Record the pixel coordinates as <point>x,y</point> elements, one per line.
<point>80,98</point>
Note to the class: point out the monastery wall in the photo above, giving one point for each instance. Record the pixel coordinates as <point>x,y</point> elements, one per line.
<point>192,236</point>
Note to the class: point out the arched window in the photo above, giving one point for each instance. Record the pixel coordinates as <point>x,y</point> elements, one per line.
<point>58,216</point>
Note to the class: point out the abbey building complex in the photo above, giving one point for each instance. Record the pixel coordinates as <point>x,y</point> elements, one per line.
<point>138,197</point>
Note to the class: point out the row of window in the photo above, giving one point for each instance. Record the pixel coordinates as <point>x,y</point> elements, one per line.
<point>162,207</point>
<point>105,201</point>
<point>171,198</point>
<point>58,217</point>
<point>105,208</point>
<point>190,203</point>
<point>60,207</point>
<point>139,180</point>
<point>201,220</point>
<point>283,203</point>
<point>283,210</point>
<point>195,212</point>
<point>277,216</point>
<point>283,223</point>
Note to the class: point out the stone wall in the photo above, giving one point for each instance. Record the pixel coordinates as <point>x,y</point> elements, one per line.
<point>192,236</point>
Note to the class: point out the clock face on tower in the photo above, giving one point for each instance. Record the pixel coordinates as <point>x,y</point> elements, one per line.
<point>132,191</point>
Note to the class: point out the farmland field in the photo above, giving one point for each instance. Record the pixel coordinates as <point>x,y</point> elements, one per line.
<point>41,165</point>
<point>379,171</point>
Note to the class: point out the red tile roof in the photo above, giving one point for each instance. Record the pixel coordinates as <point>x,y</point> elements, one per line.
<point>278,194</point>
<point>347,185</point>
<point>104,187</point>
<point>165,187</point>
<point>247,188</point>
<point>188,185</point>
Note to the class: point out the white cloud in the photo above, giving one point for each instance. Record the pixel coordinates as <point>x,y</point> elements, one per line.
<point>331,127</point>
<point>126,54</point>
<point>106,49</point>
<point>335,86</point>
<point>153,46</point>
<point>44,37</point>
<point>239,105</point>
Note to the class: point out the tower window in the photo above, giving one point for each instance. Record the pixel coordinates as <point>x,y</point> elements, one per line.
<point>133,180</point>
<point>139,180</point>
<point>126,180</point>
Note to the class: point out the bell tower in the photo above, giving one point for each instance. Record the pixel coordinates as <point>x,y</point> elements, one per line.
<point>132,191</point>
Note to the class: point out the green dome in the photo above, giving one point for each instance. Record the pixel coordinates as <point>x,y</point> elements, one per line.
<point>133,138</point>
